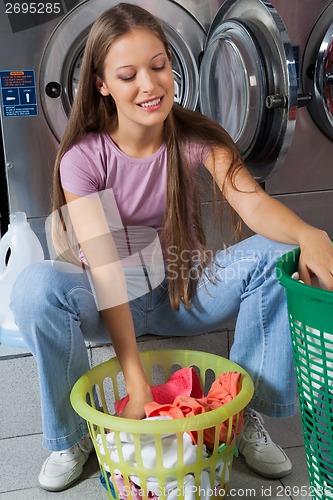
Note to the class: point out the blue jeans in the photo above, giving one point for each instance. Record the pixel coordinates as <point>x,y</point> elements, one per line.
<point>56,312</point>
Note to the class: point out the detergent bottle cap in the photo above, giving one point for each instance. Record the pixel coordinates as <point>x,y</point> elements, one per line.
<point>18,218</point>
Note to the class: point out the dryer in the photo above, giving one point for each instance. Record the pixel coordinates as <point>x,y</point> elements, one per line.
<point>237,68</point>
<point>305,180</point>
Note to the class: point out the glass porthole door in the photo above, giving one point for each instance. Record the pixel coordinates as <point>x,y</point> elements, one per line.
<point>317,75</point>
<point>248,82</point>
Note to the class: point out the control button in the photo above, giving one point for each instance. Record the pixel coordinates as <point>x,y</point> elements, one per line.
<point>53,89</point>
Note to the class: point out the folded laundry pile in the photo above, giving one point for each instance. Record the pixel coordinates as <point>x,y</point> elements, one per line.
<point>180,397</point>
<point>170,455</point>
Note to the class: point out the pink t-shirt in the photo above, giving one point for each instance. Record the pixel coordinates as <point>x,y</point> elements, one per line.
<point>96,164</point>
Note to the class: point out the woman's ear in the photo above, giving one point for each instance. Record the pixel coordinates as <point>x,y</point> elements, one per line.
<point>100,85</point>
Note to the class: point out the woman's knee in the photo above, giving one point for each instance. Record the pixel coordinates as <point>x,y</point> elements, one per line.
<point>32,277</point>
<point>41,284</point>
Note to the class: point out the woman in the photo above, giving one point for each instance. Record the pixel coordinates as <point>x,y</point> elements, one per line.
<point>129,159</point>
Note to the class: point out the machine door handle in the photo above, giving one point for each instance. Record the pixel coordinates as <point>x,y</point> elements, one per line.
<point>281,101</point>
<point>276,101</point>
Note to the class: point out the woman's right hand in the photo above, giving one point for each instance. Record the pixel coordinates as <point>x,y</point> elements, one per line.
<point>138,398</point>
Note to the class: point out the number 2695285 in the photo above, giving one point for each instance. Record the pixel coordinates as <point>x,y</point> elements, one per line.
<point>33,8</point>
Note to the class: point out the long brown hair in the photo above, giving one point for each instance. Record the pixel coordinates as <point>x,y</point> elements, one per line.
<point>91,112</point>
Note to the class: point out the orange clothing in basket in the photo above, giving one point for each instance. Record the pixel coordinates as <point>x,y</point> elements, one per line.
<point>223,390</point>
<point>184,382</point>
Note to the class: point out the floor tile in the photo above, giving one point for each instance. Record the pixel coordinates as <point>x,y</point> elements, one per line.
<point>297,483</point>
<point>21,460</point>
<point>247,484</point>
<point>20,401</point>
<point>87,489</point>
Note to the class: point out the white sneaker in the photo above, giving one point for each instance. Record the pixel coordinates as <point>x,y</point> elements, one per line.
<point>63,468</point>
<point>260,453</point>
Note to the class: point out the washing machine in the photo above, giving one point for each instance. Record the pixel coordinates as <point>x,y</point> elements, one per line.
<point>41,47</point>
<point>304,181</point>
<point>232,60</point>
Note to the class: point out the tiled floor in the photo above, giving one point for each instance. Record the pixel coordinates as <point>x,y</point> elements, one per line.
<point>21,452</point>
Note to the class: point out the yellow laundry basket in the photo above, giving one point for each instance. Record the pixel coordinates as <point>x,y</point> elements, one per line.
<point>93,397</point>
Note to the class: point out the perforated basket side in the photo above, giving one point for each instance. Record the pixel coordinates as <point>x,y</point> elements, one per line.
<point>310,313</point>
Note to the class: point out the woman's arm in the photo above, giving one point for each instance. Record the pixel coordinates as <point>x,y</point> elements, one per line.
<point>95,239</point>
<point>270,218</point>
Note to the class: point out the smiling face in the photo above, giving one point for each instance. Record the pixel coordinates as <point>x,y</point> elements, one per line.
<point>138,75</point>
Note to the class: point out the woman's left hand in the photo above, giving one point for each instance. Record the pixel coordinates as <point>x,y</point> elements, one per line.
<point>316,257</point>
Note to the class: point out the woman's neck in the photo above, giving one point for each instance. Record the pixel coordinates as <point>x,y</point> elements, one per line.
<point>138,143</point>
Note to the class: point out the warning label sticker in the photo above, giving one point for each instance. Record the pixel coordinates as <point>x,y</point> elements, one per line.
<point>18,91</point>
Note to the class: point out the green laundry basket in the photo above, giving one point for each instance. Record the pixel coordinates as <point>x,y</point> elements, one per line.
<point>310,312</point>
<point>93,397</point>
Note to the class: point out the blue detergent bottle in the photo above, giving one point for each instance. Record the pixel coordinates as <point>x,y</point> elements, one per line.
<point>19,247</point>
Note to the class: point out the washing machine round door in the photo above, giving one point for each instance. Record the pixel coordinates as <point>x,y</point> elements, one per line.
<point>318,72</point>
<point>62,57</point>
<point>248,82</point>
